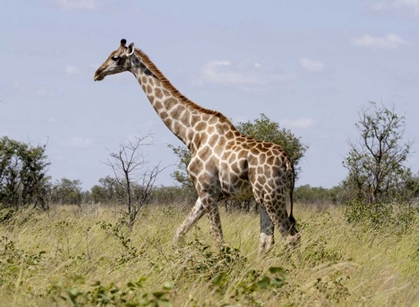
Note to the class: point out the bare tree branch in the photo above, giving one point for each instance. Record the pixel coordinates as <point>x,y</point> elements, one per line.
<point>134,178</point>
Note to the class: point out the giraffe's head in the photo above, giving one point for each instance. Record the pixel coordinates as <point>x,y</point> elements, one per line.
<point>117,62</point>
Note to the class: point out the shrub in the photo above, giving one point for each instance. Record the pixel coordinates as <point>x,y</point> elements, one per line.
<point>378,215</point>
<point>131,295</point>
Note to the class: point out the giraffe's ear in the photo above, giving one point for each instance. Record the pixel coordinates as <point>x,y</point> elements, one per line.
<point>130,49</point>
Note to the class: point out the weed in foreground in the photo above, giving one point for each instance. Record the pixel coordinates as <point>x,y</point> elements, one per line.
<point>129,252</point>
<point>16,265</point>
<point>132,294</point>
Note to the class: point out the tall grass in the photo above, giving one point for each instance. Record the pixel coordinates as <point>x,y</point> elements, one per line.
<point>73,256</point>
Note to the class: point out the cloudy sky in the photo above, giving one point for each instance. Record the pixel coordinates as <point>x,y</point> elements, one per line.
<point>309,65</point>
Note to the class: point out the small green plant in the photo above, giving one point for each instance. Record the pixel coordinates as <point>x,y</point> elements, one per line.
<point>332,287</point>
<point>255,280</point>
<point>206,263</point>
<point>246,287</point>
<point>131,295</point>
<point>318,252</point>
<point>16,264</point>
<point>129,251</point>
<point>6,214</point>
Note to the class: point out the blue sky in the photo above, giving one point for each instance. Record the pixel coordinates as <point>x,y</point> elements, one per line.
<point>309,65</point>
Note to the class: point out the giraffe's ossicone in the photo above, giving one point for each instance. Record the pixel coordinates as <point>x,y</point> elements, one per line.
<point>224,163</point>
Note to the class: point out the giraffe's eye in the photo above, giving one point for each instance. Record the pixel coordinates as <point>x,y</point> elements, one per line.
<point>115,58</point>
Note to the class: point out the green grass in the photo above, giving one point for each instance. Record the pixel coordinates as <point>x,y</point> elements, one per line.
<point>74,256</point>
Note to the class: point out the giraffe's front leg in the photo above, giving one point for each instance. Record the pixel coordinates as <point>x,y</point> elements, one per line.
<point>196,213</point>
<point>266,232</point>
<point>206,185</point>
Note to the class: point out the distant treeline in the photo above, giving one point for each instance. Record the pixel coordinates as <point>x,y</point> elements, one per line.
<point>109,192</point>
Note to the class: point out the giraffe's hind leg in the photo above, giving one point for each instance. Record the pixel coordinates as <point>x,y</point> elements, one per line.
<point>276,210</point>
<point>266,232</point>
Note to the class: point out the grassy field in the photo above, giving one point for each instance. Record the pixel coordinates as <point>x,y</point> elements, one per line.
<point>74,256</point>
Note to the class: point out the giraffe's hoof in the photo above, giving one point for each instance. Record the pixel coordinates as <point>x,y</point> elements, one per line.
<point>266,244</point>
<point>293,240</point>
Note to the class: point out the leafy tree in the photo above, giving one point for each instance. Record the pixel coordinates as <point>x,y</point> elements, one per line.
<point>375,161</point>
<point>67,191</point>
<point>305,194</point>
<point>97,194</point>
<point>106,191</point>
<point>174,195</point>
<point>411,186</point>
<point>23,169</point>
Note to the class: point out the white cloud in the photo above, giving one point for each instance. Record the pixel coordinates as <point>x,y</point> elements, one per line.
<point>79,142</point>
<point>389,5</point>
<point>71,69</point>
<point>223,72</point>
<point>227,73</point>
<point>311,65</point>
<point>84,5</point>
<point>300,123</point>
<point>389,41</point>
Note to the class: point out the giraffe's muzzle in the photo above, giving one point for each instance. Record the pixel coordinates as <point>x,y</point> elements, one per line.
<point>98,75</point>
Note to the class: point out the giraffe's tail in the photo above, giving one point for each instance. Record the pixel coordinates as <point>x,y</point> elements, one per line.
<point>291,190</point>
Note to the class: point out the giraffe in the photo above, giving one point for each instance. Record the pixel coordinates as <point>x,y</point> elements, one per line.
<point>224,163</point>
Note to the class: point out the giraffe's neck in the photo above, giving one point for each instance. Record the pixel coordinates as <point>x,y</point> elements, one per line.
<point>178,113</point>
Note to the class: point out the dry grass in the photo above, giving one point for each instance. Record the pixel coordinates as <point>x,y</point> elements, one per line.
<point>48,258</point>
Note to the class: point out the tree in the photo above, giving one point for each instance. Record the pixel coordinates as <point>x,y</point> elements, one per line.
<point>106,192</point>
<point>305,194</point>
<point>67,191</point>
<point>375,161</point>
<point>174,195</point>
<point>134,180</point>
<point>23,169</point>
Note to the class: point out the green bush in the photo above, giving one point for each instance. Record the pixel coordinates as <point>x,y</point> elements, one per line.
<point>16,265</point>
<point>379,215</point>
<point>205,264</point>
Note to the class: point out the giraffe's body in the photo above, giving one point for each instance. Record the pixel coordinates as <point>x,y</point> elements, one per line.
<point>224,163</point>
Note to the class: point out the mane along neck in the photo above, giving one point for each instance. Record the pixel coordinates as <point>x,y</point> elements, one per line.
<point>178,113</point>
